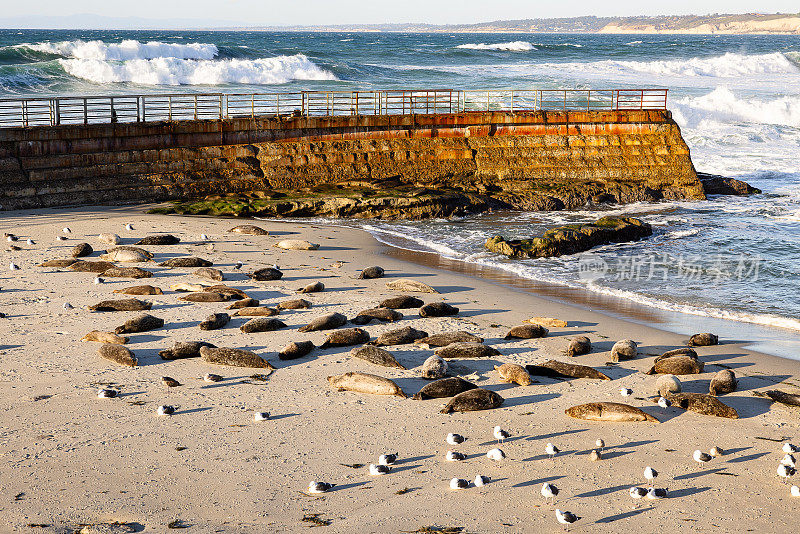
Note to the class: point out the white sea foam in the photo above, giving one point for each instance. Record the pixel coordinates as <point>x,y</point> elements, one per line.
<point>722,105</point>
<point>125,50</point>
<point>512,46</point>
<point>173,71</point>
<point>632,43</point>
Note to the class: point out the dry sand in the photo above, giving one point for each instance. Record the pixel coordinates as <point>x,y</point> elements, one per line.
<point>68,458</point>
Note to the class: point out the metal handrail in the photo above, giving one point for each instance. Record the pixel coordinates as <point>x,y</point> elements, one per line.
<point>54,111</point>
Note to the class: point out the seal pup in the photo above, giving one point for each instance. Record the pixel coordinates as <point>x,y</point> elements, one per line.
<point>526,331</point>
<point>723,382</point>
<point>513,374</point>
<point>703,404</point>
<point>556,369</point>
<point>403,302</point>
<point>296,349</point>
<point>326,322</point>
<point>249,229</point>
<point>609,411</point>
<point>496,454</point>
<point>319,487</point>
<point>262,324</point>
<point>118,354</point>
<point>566,518</point>
<point>437,309</point>
<point>446,338</point>
<point>434,368</point>
<point>668,384</point>
<point>121,305</point>
<point>406,284</point>
<point>481,481</point>
<point>459,484</point>
<point>365,383</point>
<point>473,400</point>
<point>163,239</point>
<point>165,409</point>
<point>454,456</point>
<point>445,387</point>
<point>81,250</point>
<point>466,350</point>
<point>140,323</point>
<point>234,358</point>
<point>314,287</point>
<point>371,272</point>
<point>209,273</point>
<point>345,338</point>
<point>139,290</point>
<point>294,304</point>
<point>579,346</point>
<point>215,321</point>
<point>376,355</point>
<point>400,336</point>
<point>625,349</point>
<point>297,244</point>
<point>105,337</point>
<point>790,399</point>
<point>127,272</point>
<point>703,340</point>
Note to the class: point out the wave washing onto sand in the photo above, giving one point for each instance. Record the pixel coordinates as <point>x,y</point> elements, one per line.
<point>722,105</point>
<point>126,50</point>
<point>512,46</point>
<point>174,71</point>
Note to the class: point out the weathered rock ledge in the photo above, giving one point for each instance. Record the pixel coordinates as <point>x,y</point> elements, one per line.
<point>573,238</point>
<point>714,184</point>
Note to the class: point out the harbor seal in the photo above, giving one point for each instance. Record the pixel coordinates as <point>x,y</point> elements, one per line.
<point>371,272</point>
<point>186,261</point>
<point>723,382</point>
<point>315,287</point>
<point>466,349</point>
<point>579,346</point>
<point>256,311</point>
<point>105,337</point>
<point>294,304</point>
<point>625,349</point>
<point>556,369</point>
<point>296,244</point>
<point>683,351</point>
<point>790,399</point>
<point>140,250</point>
<point>437,309</point>
<point>209,273</point>
<point>232,292</point>
<point>345,338</point>
<point>109,239</point>
<point>140,323</point>
<point>526,331</point>
<point>376,355</point>
<point>267,274</point>
<point>121,305</point>
<point>667,384</point>
<point>434,368</point>
<point>186,287</point>
<point>406,284</point>
<point>127,272</point>
<point>262,324</point>
<point>400,336</point>
<point>365,383</point>
<point>118,354</point>
<point>610,411</point>
<point>163,239</point>
<point>184,349</point>
<point>677,365</point>
<point>233,358</point>
<point>204,296</point>
<point>296,349</point>
<point>473,400</point>
<point>59,263</point>
<point>445,387</point>
<point>248,229</point>
<point>215,321</point>
<point>702,403</point>
<point>325,322</point>
<point>86,266</point>
<point>123,255</point>
<point>703,340</point>
<point>403,302</point>
<point>446,338</point>
<point>513,374</point>
<point>139,290</point>
<point>386,315</point>
<point>244,303</point>
<point>81,250</point>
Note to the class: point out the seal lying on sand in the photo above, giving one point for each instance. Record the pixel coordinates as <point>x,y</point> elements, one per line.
<point>386,315</point>
<point>139,290</point>
<point>625,349</point>
<point>325,322</point>
<point>437,309</point>
<point>790,399</point>
<point>244,303</point>
<point>85,266</point>
<point>105,337</point>
<point>249,229</point>
<point>127,272</point>
<point>140,323</point>
<point>703,340</point>
<point>256,311</point>
<point>296,349</point>
<point>446,338</point>
<point>117,354</point>
<point>267,274</point>
<point>677,365</point>
<point>215,321</point>
<point>186,261</point>
<point>205,296</point>
<point>683,351</point>
<point>609,411</point>
<point>376,355</point>
<point>556,369</point>
<point>163,239</point>
<point>702,403</point>
<point>232,292</point>
<point>466,350</point>
<point>473,400</point>
<point>184,349</point>
<point>365,383</point>
<point>434,368</point>
<point>446,387</point>
<point>406,284</point>
<point>81,250</point>
<point>58,262</point>
<point>513,374</point>
<point>579,346</point>
<point>262,324</point>
<point>121,305</point>
<point>723,382</point>
<point>371,272</point>
<point>314,287</point>
<point>345,338</point>
<point>125,256</point>
<point>668,384</point>
<point>296,244</point>
<point>526,331</point>
<point>294,304</point>
<point>403,302</point>
<point>143,252</point>
<point>400,336</point>
<point>233,358</point>
<point>209,273</point>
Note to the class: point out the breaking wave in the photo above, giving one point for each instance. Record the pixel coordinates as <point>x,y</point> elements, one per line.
<point>126,50</point>
<point>512,46</point>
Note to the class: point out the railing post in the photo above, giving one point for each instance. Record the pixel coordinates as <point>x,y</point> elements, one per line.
<point>221,109</point>
<point>588,99</point>
<point>58,111</point>
<point>85,112</point>
<point>144,108</point>
<point>252,106</point>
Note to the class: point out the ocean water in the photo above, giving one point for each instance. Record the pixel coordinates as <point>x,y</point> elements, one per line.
<point>736,98</point>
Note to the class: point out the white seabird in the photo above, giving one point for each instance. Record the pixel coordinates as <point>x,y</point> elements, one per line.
<point>626,392</point>
<point>459,484</point>
<point>496,454</point>
<point>794,491</point>
<point>551,450</point>
<point>66,230</point>
<point>549,491</point>
<point>595,456</point>
<point>650,474</point>
<point>98,280</point>
<point>238,265</point>
<point>566,518</point>
<point>784,471</point>
<point>129,227</point>
<point>260,416</point>
<point>788,448</point>
<point>455,439</point>
<point>716,451</point>
<point>31,242</point>
<point>656,493</point>
<point>376,470</point>
<point>13,266</point>
<point>387,459</point>
<point>203,237</point>
<point>500,434</point>
<point>68,306</point>
<point>165,409</point>
<point>481,481</point>
<point>700,457</point>
<point>106,393</point>
<point>319,487</point>
<point>789,460</point>
<point>600,444</point>
<point>637,492</point>
<point>664,403</point>
<point>453,456</point>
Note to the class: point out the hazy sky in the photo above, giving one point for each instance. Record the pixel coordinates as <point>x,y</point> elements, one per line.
<point>271,12</point>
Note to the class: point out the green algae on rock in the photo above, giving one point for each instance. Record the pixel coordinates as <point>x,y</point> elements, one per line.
<point>572,238</point>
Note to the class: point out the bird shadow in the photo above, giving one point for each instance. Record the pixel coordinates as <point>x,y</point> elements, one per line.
<point>687,492</point>
<point>556,434</point>
<point>624,515</point>
<point>405,467</point>
<point>737,449</point>
<point>602,491</point>
<point>699,474</point>
<point>347,486</point>
<point>282,416</point>
<point>192,410</point>
<point>414,459</point>
<point>494,441</point>
<point>129,394</point>
<point>537,481</point>
<point>747,458</point>
<point>547,456</point>
<point>631,444</point>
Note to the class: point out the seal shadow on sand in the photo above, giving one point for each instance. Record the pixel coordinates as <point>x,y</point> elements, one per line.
<point>528,399</point>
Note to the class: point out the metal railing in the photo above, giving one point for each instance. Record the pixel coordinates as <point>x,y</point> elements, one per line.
<point>53,111</point>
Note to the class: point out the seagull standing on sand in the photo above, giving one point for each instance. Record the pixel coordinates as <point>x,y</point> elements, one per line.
<point>549,491</point>
<point>13,267</point>
<point>106,393</point>
<point>68,306</point>
<point>453,456</point>
<point>98,280</point>
<point>700,457</point>
<point>387,459</point>
<point>500,434</point>
<point>600,444</point>
<point>566,518</point>
<point>66,230</point>
<point>203,237</point>
<point>129,227</point>
<point>716,451</point>
<point>61,238</point>
<point>238,266</point>
<point>784,471</point>
<point>455,439</point>
<point>664,403</point>
<point>794,491</point>
<point>31,242</point>
<point>211,377</point>
<point>11,237</point>
<point>551,450</point>
<point>595,456</point>
<point>626,392</point>
<point>788,448</point>
<point>319,487</point>
<point>481,481</point>
<point>650,474</point>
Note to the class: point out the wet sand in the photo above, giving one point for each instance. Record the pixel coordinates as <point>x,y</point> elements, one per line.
<point>69,458</point>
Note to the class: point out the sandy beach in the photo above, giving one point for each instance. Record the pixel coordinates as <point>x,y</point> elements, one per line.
<point>70,459</point>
